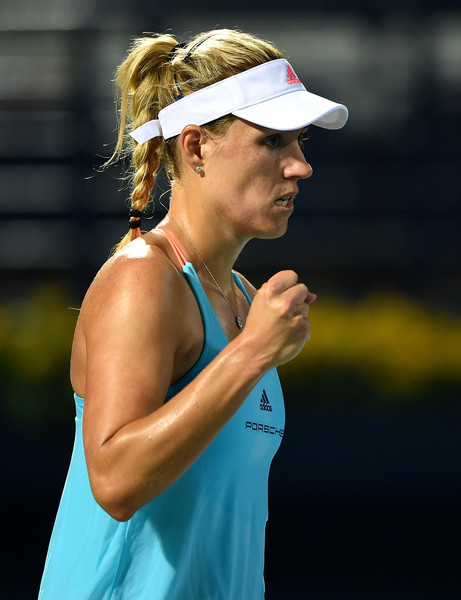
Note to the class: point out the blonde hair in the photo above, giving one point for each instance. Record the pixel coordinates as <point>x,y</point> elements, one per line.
<point>152,77</point>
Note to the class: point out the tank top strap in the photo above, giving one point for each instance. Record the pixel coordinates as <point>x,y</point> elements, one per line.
<point>178,251</point>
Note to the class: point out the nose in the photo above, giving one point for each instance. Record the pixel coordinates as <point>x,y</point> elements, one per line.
<point>297,166</point>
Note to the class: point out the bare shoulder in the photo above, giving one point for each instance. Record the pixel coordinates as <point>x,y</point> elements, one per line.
<point>138,311</point>
<point>137,274</point>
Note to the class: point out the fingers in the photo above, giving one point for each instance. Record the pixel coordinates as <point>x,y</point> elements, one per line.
<point>285,280</point>
<point>293,297</point>
<point>281,281</point>
<point>304,307</point>
<point>297,294</point>
<point>311,297</point>
<point>278,318</point>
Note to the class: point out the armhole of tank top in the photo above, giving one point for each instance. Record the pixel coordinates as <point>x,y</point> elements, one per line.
<point>242,287</point>
<point>177,250</point>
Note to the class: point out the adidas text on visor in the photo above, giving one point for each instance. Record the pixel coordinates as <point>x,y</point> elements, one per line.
<point>269,95</point>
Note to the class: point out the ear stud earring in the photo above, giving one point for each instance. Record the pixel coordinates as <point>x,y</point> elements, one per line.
<point>198,169</point>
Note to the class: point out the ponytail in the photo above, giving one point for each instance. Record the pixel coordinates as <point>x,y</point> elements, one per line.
<point>157,71</point>
<point>138,81</point>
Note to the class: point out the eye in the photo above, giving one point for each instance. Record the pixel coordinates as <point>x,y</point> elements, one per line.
<point>273,141</point>
<point>302,138</point>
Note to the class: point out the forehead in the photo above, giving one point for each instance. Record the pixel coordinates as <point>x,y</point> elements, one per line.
<point>239,132</point>
<point>242,127</point>
<point>245,129</point>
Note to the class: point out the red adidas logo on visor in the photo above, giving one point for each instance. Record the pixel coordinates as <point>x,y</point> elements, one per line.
<point>291,76</point>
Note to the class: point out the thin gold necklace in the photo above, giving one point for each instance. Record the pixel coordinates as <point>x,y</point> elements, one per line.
<point>238,319</point>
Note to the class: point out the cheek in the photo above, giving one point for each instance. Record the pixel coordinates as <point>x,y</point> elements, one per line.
<point>257,166</point>
<point>243,169</point>
<point>234,175</point>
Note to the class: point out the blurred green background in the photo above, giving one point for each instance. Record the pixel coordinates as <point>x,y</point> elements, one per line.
<point>365,491</point>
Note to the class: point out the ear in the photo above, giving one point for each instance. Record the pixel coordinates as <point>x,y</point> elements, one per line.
<point>191,141</point>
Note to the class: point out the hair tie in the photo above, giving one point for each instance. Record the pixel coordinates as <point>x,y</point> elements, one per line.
<point>169,59</point>
<point>172,54</point>
<point>189,52</point>
<point>136,214</point>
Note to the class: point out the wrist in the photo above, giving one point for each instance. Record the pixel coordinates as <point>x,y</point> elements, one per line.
<point>246,350</point>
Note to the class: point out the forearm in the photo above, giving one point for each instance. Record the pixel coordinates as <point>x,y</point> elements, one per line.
<point>148,455</point>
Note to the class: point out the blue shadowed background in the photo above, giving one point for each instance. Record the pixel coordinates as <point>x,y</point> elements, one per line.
<point>366,489</point>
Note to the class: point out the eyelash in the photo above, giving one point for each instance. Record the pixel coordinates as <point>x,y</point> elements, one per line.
<point>271,138</point>
<point>301,139</point>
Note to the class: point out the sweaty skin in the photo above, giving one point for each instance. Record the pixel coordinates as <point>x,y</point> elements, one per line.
<point>140,328</point>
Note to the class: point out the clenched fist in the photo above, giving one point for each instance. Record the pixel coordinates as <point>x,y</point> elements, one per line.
<point>278,318</point>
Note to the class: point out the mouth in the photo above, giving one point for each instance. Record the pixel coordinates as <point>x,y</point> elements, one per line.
<point>284,201</point>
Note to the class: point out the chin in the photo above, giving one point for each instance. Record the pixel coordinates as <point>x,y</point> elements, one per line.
<point>274,234</point>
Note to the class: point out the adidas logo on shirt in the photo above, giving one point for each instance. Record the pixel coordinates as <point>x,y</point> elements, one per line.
<point>264,403</point>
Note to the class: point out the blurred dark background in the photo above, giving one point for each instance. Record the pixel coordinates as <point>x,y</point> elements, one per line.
<point>366,490</point>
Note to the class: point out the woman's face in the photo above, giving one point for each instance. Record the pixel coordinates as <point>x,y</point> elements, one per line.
<point>252,175</point>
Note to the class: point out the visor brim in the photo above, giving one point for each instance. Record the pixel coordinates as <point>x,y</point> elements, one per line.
<point>295,111</point>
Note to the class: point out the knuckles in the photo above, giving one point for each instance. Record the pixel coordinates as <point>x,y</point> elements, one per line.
<point>280,282</point>
<point>282,303</point>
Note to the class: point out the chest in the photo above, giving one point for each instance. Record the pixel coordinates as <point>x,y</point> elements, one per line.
<point>206,309</point>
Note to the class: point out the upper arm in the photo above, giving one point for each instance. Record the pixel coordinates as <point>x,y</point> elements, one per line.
<point>132,333</point>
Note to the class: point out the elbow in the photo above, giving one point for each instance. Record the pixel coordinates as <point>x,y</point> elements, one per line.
<point>119,496</point>
<point>117,512</point>
<point>112,500</point>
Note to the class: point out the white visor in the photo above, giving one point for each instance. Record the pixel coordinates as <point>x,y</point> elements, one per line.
<point>270,95</point>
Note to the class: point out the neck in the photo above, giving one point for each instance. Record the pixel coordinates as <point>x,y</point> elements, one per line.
<point>233,307</point>
<point>206,239</point>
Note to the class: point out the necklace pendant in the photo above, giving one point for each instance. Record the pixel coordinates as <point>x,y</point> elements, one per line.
<point>239,322</point>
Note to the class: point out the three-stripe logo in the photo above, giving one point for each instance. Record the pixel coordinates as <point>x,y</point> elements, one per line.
<point>264,402</point>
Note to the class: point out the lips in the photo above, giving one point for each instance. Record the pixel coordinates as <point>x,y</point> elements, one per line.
<point>284,201</point>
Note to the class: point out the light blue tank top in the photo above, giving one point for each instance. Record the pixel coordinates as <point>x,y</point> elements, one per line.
<point>203,538</point>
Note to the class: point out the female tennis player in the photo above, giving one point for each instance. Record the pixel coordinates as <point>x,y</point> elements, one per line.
<point>179,407</point>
